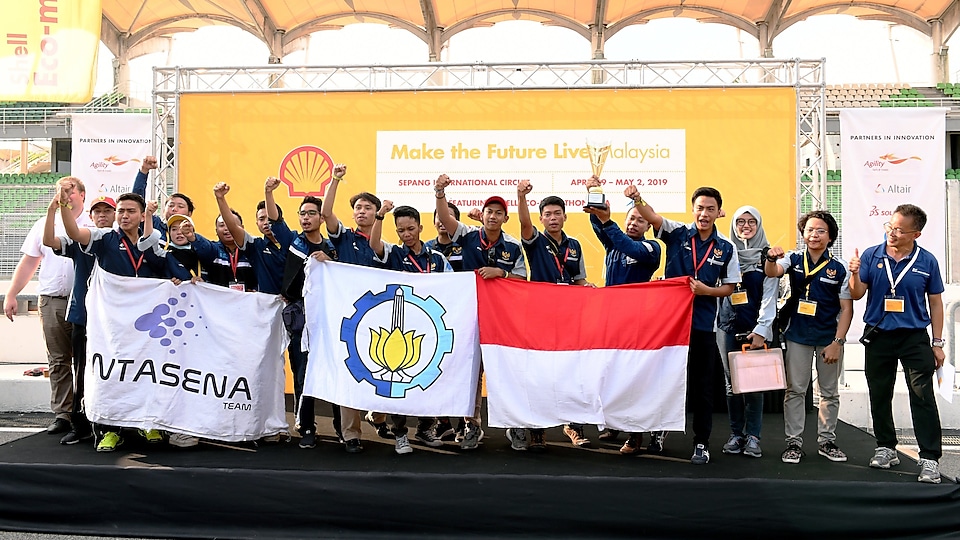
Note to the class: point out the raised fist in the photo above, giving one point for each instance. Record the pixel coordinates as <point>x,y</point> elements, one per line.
<point>524,187</point>
<point>221,189</point>
<point>271,183</point>
<point>149,163</point>
<point>339,170</point>
<point>442,182</point>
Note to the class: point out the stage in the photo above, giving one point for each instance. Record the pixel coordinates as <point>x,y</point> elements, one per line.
<point>282,491</point>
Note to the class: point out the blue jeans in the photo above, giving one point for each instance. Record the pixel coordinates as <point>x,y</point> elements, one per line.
<point>745,410</point>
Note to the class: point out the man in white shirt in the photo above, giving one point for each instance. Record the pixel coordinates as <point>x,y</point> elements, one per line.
<point>55,283</point>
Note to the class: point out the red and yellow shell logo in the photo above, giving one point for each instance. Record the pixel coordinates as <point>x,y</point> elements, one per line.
<point>894,160</point>
<point>117,162</point>
<point>306,170</point>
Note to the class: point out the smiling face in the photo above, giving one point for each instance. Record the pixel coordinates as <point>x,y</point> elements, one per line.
<point>746,225</point>
<point>901,232</point>
<point>816,234</point>
<point>223,233</point>
<point>175,205</point>
<point>705,212</point>
<point>494,216</point>
<point>103,215</point>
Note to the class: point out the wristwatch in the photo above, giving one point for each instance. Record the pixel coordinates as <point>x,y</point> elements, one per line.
<point>378,217</point>
<point>938,342</point>
<point>840,341</point>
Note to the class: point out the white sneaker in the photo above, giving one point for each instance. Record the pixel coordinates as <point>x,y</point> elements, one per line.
<point>403,445</point>
<point>929,471</point>
<point>181,440</point>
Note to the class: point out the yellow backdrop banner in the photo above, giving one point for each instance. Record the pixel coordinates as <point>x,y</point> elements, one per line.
<point>741,141</point>
<point>49,50</point>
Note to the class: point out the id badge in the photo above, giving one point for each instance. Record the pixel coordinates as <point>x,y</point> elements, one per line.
<point>893,304</point>
<point>237,286</point>
<point>807,307</point>
<point>738,298</point>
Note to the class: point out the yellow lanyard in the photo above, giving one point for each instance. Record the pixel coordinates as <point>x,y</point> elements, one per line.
<point>807,272</point>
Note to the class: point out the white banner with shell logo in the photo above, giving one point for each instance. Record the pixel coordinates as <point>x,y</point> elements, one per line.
<point>107,151</point>
<point>392,342</point>
<point>182,358</point>
<point>891,157</point>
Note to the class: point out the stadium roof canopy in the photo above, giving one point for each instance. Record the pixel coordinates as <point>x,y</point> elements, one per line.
<point>282,23</point>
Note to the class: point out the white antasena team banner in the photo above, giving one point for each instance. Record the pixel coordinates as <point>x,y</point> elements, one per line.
<point>891,157</point>
<point>108,150</point>
<point>482,163</point>
<point>392,342</point>
<point>195,359</point>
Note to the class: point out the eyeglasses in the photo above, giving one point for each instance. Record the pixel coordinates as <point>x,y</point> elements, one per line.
<point>742,222</point>
<point>818,232</point>
<point>311,213</point>
<point>896,231</point>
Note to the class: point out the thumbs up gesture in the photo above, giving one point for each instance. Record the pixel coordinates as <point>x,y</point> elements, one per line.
<point>854,265</point>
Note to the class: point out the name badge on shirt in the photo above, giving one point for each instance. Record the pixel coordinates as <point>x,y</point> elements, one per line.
<point>738,298</point>
<point>807,307</point>
<point>237,286</point>
<point>893,304</point>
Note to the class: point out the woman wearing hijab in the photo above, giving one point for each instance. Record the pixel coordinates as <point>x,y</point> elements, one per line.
<point>746,317</point>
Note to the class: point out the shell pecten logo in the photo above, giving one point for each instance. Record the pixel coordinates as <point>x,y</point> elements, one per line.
<point>306,170</point>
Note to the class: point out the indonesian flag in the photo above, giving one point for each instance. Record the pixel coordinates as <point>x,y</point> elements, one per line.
<point>615,356</point>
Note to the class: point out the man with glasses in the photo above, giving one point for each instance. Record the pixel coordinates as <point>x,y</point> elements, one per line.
<point>900,280</point>
<point>820,311</point>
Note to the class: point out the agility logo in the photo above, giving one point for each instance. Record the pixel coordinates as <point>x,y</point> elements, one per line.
<point>169,324</point>
<point>306,170</point>
<point>396,340</point>
<point>880,164</point>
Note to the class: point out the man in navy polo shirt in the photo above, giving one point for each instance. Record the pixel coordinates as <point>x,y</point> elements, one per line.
<point>711,263</point>
<point>116,252</point>
<point>554,257</point>
<point>630,258</point>
<point>224,261</point>
<point>900,278</point>
<point>820,311</point>
<point>267,254</point>
<point>102,214</point>
<point>488,251</point>
<point>178,203</point>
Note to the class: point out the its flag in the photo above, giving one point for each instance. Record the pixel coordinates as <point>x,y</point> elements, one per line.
<point>196,359</point>
<point>615,356</point>
<point>391,342</point>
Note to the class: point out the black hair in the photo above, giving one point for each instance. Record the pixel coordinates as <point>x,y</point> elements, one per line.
<point>369,197</point>
<point>913,212</point>
<point>707,191</point>
<point>406,211</point>
<point>185,199</point>
<point>310,199</point>
<point>262,205</point>
<point>453,208</point>
<point>135,198</point>
<point>232,211</point>
<point>552,200</point>
<point>832,228</point>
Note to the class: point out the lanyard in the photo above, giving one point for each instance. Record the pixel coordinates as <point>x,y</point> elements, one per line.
<point>807,272</point>
<point>886,264</point>
<point>234,261</point>
<point>136,265</point>
<point>415,263</point>
<point>697,266</point>
<point>484,243</point>
<point>361,235</point>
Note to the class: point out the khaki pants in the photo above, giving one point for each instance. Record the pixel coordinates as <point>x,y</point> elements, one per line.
<point>798,363</point>
<point>58,335</point>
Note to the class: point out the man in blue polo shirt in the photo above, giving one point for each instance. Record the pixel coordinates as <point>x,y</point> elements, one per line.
<point>630,258</point>
<point>102,214</point>
<point>116,252</point>
<point>900,279</point>
<point>178,203</point>
<point>267,254</point>
<point>489,252</point>
<point>820,311</point>
<point>710,261</point>
<point>553,257</point>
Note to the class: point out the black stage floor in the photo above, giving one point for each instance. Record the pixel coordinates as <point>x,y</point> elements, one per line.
<point>282,491</point>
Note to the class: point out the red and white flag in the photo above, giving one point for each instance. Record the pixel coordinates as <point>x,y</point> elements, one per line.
<point>614,356</point>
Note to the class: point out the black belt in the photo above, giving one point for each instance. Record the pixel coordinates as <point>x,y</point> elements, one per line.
<point>56,297</point>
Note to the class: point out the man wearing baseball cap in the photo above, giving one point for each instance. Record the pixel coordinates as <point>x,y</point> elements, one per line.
<point>489,252</point>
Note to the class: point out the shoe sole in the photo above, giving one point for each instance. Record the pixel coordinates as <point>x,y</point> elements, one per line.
<point>753,454</point>
<point>790,461</point>
<point>891,463</point>
<point>732,452</point>
<point>832,458</point>
<point>436,443</point>
<point>75,441</point>
<point>629,452</point>
<point>928,480</point>
<point>403,451</point>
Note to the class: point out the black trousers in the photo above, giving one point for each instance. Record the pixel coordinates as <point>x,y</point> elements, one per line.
<point>703,359</point>
<point>912,348</point>
<point>78,417</point>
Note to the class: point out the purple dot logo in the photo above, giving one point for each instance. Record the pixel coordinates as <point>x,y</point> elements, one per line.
<point>161,321</point>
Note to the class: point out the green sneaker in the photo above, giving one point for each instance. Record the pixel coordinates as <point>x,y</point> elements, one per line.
<point>110,441</point>
<point>151,435</point>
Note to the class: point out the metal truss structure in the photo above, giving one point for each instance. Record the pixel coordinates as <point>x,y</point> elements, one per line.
<point>805,76</point>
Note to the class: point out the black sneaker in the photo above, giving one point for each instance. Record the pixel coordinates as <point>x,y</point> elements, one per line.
<point>444,431</point>
<point>792,454</point>
<point>353,446</point>
<point>657,438</point>
<point>73,437</point>
<point>308,439</point>
<point>58,426</point>
<point>382,430</point>
<point>609,435</point>
<point>830,451</point>
<point>536,443</point>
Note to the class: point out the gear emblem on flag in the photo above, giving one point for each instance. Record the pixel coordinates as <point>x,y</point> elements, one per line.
<point>403,339</point>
